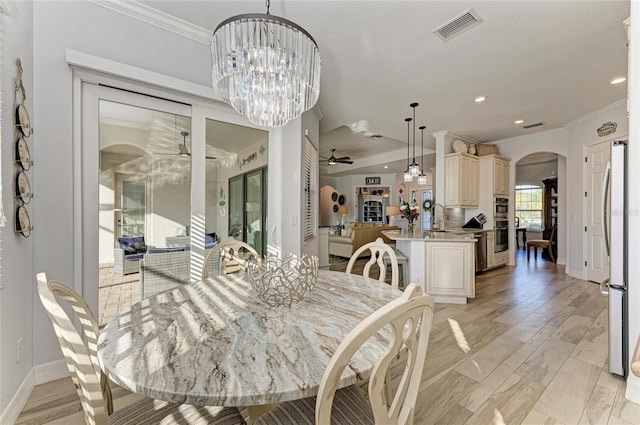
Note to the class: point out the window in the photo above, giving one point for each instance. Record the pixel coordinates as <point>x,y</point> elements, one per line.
<point>529,206</point>
<point>310,191</point>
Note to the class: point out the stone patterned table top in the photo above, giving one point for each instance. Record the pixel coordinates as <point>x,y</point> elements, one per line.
<point>215,343</point>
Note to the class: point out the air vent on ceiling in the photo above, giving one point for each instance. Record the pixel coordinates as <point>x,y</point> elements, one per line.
<point>458,25</point>
<point>536,124</point>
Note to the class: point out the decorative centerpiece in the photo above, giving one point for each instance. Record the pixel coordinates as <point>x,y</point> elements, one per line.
<point>410,212</point>
<point>283,281</point>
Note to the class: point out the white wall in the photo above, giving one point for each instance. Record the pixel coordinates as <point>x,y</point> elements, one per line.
<point>346,186</point>
<point>82,26</point>
<point>569,143</point>
<point>17,273</point>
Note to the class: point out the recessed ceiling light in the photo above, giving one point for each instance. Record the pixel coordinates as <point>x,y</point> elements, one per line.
<point>618,80</point>
<point>518,121</point>
<point>480,99</point>
<point>386,166</point>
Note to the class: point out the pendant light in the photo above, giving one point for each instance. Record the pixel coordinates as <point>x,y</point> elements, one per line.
<point>266,67</point>
<point>407,176</point>
<point>414,169</point>
<point>422,177</point>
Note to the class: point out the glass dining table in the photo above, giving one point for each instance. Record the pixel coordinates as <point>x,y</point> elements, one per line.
<point>214,343</point>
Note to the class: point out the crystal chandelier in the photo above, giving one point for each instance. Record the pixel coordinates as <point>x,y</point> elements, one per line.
<point>414,169</point>
<point>407,175</point>
<point>266,67</point>
<point>422,177</point>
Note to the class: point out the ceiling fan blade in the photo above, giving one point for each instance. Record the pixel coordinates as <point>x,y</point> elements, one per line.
<point>210,157</point>
<point>344,162</point>
<point>344,158</point>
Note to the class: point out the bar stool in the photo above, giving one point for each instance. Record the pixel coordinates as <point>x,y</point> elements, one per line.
<point>402,266</point>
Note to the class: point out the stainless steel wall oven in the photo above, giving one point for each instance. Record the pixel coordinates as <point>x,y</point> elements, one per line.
<point>501,235</point>
<point>501,208</point>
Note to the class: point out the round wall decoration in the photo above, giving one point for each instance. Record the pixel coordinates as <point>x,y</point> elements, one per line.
<point>23,155</point>
<point>23,120</point>
<point>427,204</point>
<point>342,200</point>
<point>335,208</point>
<point>23,187</point>
<point>23,221</point>
<point>334,196</point>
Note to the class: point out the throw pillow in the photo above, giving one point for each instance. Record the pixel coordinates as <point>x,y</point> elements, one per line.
<point>132,245</point>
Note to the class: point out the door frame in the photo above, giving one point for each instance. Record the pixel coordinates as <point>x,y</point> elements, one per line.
<point>86,177</point>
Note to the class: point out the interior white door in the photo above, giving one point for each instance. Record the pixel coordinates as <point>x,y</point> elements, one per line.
<point>596,158</point>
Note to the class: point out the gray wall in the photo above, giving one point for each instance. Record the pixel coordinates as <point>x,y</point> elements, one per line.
<point>16,252</point>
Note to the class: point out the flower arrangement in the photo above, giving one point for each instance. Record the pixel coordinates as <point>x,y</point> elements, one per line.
<point>409,211</point>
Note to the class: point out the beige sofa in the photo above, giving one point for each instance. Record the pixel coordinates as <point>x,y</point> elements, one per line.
<point>358,234</point>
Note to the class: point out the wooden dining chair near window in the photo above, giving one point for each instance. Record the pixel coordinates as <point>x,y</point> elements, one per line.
<point>542,243</point>
<point>378,250</point>
<point>228,256</point>
<point>93,388</point>
<point>409,319</point>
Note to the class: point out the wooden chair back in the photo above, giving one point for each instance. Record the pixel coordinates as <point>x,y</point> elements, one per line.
<point>228,256</point>
<point>80,352</point>
<point>410,318</point>
<point>378,250</point>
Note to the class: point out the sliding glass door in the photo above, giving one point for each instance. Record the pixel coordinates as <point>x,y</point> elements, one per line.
<point>247,208</point>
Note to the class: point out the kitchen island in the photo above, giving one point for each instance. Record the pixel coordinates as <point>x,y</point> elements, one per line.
<point>443,263</point>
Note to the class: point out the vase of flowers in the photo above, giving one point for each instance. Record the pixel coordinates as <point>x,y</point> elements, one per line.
<point>410,212</point>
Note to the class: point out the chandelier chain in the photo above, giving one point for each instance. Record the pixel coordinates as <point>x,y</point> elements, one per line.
<point>268,3</point>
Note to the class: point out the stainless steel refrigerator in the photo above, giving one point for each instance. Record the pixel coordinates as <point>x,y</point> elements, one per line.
<point>615,231</point>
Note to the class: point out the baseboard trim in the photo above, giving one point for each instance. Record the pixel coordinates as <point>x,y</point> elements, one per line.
<point>574,273</point>
<point>51,371</point>
<point>38,374</point>
<point>19,400</point>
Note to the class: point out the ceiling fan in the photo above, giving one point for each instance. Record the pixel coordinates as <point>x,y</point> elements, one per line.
<point>182,147</point>
<point>332,160</point>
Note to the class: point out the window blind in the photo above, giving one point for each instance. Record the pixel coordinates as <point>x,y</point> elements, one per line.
<point>310,190</point>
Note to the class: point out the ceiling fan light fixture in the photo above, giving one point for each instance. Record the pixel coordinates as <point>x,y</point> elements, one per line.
<point>266,67</point>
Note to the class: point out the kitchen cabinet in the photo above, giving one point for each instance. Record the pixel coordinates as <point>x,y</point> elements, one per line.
<point>500,177</point>
<point>461,180</point>
<point>495,259</point>
<point>450,275</point>
<point>494,177</point>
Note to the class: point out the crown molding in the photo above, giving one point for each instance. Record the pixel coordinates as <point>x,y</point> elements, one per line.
<point>155,17</point>
<point>590,115</point>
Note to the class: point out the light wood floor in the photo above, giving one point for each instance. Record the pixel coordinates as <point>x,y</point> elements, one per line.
<point>531,348</point>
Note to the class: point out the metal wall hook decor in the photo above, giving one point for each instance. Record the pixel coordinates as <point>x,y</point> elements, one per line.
<point>22,161</point>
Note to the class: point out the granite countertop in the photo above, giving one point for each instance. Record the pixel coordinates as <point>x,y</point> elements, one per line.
<point>438,236</point>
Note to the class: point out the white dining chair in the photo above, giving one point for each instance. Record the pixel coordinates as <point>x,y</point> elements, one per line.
<point>410,318</point>
<point>92,384</point>
<point>228,256</point>
<point>378,250</point>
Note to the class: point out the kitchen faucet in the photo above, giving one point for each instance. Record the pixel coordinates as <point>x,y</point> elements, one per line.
<point>434,219</point>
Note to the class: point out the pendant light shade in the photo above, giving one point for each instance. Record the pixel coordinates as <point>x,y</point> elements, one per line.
<point>266,67</point>
<point>407,175</point>
<point>422,177</point>
<point>414,169</point>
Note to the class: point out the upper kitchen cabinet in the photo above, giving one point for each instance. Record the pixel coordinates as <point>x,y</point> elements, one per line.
<point>461,180</point>
<point>494,174</point>
<point>500,176</point>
